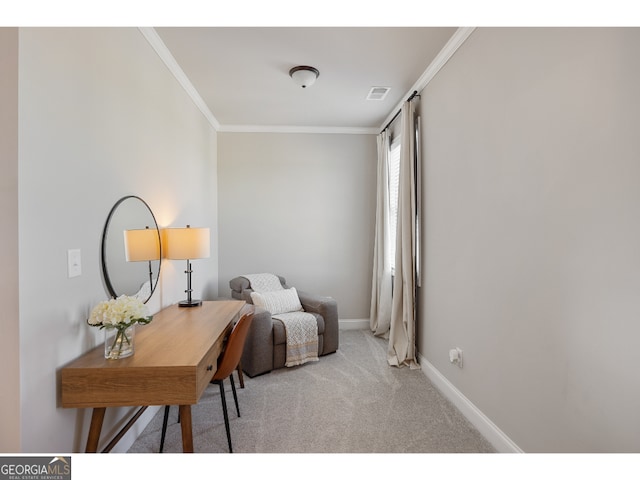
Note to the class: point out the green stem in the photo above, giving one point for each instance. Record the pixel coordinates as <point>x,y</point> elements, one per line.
<point>120,334</point>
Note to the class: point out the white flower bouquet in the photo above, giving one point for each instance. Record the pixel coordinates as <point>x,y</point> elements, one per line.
<point>119,314</point>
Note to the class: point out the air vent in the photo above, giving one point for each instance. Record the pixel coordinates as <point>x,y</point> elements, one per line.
<point>378,93</point>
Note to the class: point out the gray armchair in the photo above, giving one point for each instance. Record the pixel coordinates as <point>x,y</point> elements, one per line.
<point>265,347</point>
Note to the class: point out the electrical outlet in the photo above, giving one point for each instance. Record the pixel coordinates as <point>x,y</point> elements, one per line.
<point>74,263</point>
<point>455,356</point>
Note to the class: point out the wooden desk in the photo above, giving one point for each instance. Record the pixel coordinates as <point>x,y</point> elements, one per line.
<point>174,360</point>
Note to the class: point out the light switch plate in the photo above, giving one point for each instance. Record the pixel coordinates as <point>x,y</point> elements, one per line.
<point>74,263</point>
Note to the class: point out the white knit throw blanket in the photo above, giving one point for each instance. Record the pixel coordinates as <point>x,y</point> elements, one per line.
<point>301,328</point>
<point>264,282</point>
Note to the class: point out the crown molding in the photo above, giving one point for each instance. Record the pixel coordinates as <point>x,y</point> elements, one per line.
<point>165,55</point>
<point>297,129</point>
<point>454,43</point>
<point>163,52</point>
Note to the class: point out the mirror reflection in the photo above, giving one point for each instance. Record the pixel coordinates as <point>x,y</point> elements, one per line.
<point>131,253</point>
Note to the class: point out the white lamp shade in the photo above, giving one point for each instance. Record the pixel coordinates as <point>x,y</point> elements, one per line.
<point>185,243</point>
<point>141,245</point>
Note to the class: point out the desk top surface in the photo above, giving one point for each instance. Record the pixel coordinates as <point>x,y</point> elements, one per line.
<point>176,336</point>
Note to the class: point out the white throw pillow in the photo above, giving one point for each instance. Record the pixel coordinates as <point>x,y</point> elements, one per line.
<point>278,301</point>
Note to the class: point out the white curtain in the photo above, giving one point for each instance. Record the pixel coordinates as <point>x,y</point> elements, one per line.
<point>380,313</point>
<point>402,346</point>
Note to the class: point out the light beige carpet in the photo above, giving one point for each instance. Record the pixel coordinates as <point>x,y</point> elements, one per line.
<point>351,401</point>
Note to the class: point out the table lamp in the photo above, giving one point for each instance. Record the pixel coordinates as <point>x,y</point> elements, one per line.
<point>186,244</point>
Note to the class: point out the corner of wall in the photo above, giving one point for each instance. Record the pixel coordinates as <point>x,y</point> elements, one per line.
<point>501,442</point>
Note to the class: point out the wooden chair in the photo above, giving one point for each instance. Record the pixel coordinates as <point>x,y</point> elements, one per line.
<point>228,362</point>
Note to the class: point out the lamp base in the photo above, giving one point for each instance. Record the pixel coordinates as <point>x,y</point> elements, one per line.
<point>190,303</point>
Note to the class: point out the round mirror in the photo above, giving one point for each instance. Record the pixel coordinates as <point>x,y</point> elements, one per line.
<point>131,250</point>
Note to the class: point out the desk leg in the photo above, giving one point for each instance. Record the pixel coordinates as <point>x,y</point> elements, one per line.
<point>97,418</point>
<point>185,425</point>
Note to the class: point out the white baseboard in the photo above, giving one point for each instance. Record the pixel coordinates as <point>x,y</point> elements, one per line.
<point>501,442</point>
<point>136,429</point>
<point>353,324</point>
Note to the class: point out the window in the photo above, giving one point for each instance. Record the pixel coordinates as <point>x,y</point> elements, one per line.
<point>394,180</point>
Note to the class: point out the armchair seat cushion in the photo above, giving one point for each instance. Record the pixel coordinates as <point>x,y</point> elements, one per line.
<point>265,348</point>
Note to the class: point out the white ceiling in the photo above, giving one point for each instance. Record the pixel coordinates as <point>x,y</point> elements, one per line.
<point>242,73</point>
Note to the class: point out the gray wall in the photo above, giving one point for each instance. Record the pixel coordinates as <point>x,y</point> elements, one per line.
<point>532,233</point>
<point>100,117</point>
<point>302,206</point>
<point>9,325</point>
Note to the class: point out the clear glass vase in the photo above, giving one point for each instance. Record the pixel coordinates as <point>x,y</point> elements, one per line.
<point>119,342</point>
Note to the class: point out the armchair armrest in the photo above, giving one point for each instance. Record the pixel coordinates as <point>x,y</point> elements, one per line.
<point>328,308</point>
<point>257,356</point>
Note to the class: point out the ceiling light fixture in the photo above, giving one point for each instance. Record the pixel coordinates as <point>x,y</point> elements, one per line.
<point>304,76</point>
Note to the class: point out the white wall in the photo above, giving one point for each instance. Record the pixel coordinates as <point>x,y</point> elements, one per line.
<point>101,117</point>
<point>9,320</point>
<point>302,206</point>
<point>532,233</point>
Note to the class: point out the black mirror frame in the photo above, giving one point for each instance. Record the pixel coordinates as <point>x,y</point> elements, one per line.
<point>103,255</point>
